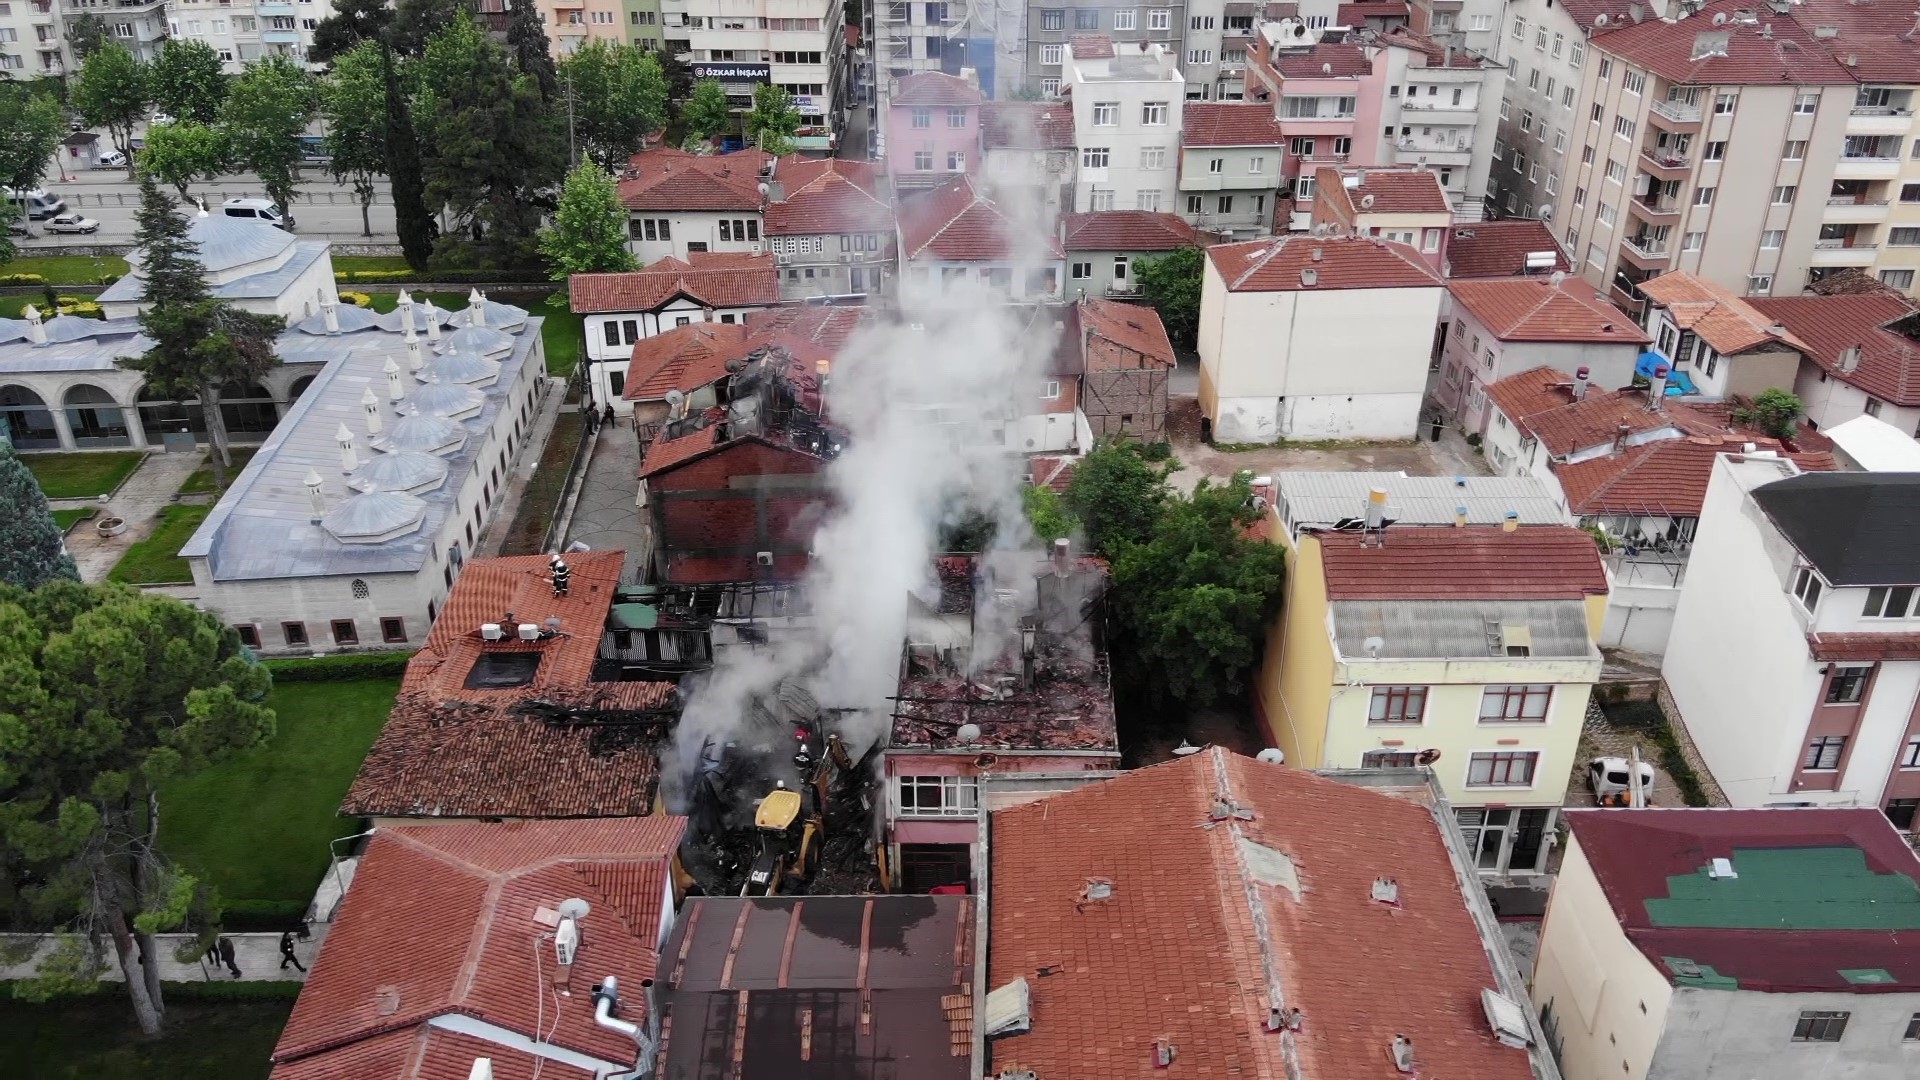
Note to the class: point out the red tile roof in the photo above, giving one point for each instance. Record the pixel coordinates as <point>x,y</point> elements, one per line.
<point>1345,262</point>
<point>1877,39</point>
<point>1126,230</point>
<point>1394,191</point>
<point>441,921</point>
<point>1791,56</point>
<point>1487,249</point>
<point>734,280</point>
<point>1091,46</point>
<point>1636,856</point>
<point>668,179</point>
<point>1727,322</point>
<point>691,356</point>
<point>830,195</point>
<point>1661,478</point>
<point>1356,15</point>
<point>1345,60</point>
<point>957,223</point>
<point>1889,361</point>
<point>936,88</point>
<point>1026,125</point>
<point>1864,646</point>
<point>1536,309</point>
<point>1223,123</point>
<point>1121,337</point>
<point>1478,562</point>
<point>1539,402</point>
<point>458,751</point>
<point>1195,941</point>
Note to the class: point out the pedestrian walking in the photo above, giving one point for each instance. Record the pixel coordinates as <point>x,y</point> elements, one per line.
<point>226,956</point>
<point>286,953</point>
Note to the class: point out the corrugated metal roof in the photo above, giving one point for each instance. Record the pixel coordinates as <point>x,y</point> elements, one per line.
<point>1458,629</point>
<point>1322,498</point>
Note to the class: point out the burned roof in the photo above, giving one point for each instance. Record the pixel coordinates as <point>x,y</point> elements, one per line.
<point>820,988</point>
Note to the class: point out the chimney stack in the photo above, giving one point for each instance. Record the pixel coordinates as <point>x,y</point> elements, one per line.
<point>330,314</point>
<point>1582,377</point>
<point>36,330</point>
<point>404,304</point>
<point>316,497</point>
<point>395,391</point>
<point>476,304</point>
<point>1376,508</point>
<point>1850,359</point>
<point>1063,557</point>
<point>1657,389</point>
<point>1459,517</point>
<point>1511,522</point>
<point>348,460</point>
<point>433,321</point>
<point>371,406</point>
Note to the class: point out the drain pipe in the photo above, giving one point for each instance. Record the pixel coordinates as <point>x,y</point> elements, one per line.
<point>606,1000</point>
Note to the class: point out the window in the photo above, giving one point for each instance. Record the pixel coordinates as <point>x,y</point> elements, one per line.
<point>923,118</point>
<point>1389,759</point>
<point>345,632</point>
<point>1724,103</point>
<point>393,630</point>
<point>1303,189</point>
<point>1093,157</point>
<point>1480,23</point>
<point>1216,165</point>
<point>1300,146</point>
<point>1783,194</point>
<point>1050,390</point>
<point>1086,19</point>
<point>1633,82</point>
<point>1559,140</point>
<point>1716,151</point>
<point>1805,104</point>
<point>1200,22</point>
<point>1908,236</point>
<point>1161,19</point>
<point>1566,96</point>
<point>1154,114</point>
<point>1193,203</point>
<point>1053,19</point>
<point>1888,602</point>
<point>1846,686</point>
<point>249,635</point>
<point>1153,157</point>
<point>1343,145</point>
<point>1502,768</point>
<point>1050,54</point>
<point>1050,87</point>
<point>1898,279</point>
<point>1559,41</point>
<point>938,796</point>
<point>956,161</point>
<point>1226,204</point>
<point>1901,813</point>
<point>1606,69</point>
<point>1256,165</point>
<point>1579,196</point>
<point>1548,91</point>
<point>1608,215</point>
<point>1703,196</point>
<point>1517,704</point>
<point>1624,127</point>
<point>1820,1027</point>
<point>1513,69</point>
<point>1519,28</point>
<point>1616,173</point>
<point>1081,271</point>
<point>1772,238</point>
<point>1101,199</point>
<point>1540,37</point>
<point>1577,55</point>
<point>1147,200</point>
<point>1757,285</point>
<point>1553,183</point>
<point>1397,705</point>
<point>1506,110</point>
<point>1123,20</point>
<point>1106,113</point>
<point>956,118</point>
<point>923,161</point>
<point>1533,79</point>
<point>1806,587</point>
<point>1199,56</point>
<point>1526,120</point>
<point>1795,150</point>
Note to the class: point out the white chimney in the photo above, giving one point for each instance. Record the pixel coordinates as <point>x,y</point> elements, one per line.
<point>406,313</point>
<point>1657,388</point>
<point>330,311</point>
<point>395,391</point>
<point>371,406</point>
<point>1511,522</point>
<point>433,322</point>
<point>1581,380</point>
<point>415,360</point>
<point>1849,358</point>
<point>36,330</point>
<point>482,1069</point>
<point>348,460</point>
<point>315,496</point>
<point>477,304</point>
<point>1376,516</point>
<point>1063,556</point>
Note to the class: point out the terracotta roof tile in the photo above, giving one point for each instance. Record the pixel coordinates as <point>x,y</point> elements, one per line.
<point>1725,321</point>
<point>1222,123</point>
<point>1026,125</point>
<point>1539,402</point>
<point>1889,361</point>
<point>1345,60</point>
<point>1670,475</point>
<point>1436,53</point>
<point>829,195</point>
<point>936,88</point>
<point>1536,309</point>
<point>1788,55</point>
<point>1207,945</point>
<point>1478,562</point>
<point>1864,646</point>
<point>1091,46</point>
<point>691,356</point>
<point>1356,15</point>
<point>663,453</point>
<point>1127,230</point>
<point>462,898</point>
<point>1394,191</point>
<point>669,179</point>
<point>1346,262</point>
<point>1120,336</point>
<point>956,222</point>
<point>1488,249</point>
<point>726,281</point>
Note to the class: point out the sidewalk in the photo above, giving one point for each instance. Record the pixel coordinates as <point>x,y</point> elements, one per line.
<point>553,394</point>
<point>606,514</point>
<point>139,502</point>
<point>256,955</point>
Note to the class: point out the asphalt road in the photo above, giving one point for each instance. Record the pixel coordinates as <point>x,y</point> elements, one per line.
<point>324,210</point>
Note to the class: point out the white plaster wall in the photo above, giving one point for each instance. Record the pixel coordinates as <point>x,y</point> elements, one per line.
<point>1639,619</point>
<point>1124,139</point>
<point>1829,401</point>
<point>692,227</point>
<point>1748,1035</point>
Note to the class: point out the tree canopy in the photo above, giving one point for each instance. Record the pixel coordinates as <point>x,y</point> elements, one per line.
<point>86,33</point>
<point>352,22</point>
<point>31,125</point>
<point>105,694</point>
<point>266,112</point>
<point>111,92</point>
<point>619,97</point>
<point>353,102</point>
<point>705,112</point>
<point>415,22</point>
<point>1171,284</point>
<point>31,553</point>
<point>186,82</point>
<point>413,222</point>
<point>1774,411</point>
<point>531,52</point>
<point>772,122</point>
<point>589,232</point>
<point>182,152</point>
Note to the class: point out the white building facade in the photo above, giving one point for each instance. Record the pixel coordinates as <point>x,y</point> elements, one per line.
<point>1127,113</point>
<point>247,30</point>
<point>797,44</point>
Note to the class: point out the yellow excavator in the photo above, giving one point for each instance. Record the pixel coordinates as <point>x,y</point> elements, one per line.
<point>774,822</point>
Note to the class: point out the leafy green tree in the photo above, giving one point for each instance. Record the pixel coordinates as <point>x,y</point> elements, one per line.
<point>1171,284</point>
<point>107,694</point>
<point>706,112</point>
<point>352,22</point>
<point>531,52</point>
<point>415,22</point>
<point>186,82</point>
<point>1774,411</point>
<point>181,152</point>
<point>773,120</point>
<point>30,130</point>
<point>199,343</point>
<point>589,233</point>
<point>31,553</point>
<point>619,97</point>
<point>268,109</point>
<point>111,92</point>
<point>86,34</point>
<point>1047,513</point>
<point>353,101</point>
<point>492,151</point>
<point>413,222</point>
<point>1119,494</point>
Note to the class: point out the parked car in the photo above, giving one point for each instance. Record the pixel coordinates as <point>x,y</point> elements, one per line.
<point>158,119</point>
<point>112,159</point>
<point>72,223</point>
<point>258,209</point>
<point>1607,776</point>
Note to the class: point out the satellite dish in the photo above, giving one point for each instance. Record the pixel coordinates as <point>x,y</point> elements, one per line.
<point>1719,18</point>
<point>1600,19</point>
<point>1373,645</point>
<point>1272,755</point>
<point>575,908</point>
<point>1326,69</point>
<point>673,398</point>
<point>1427,757</point>
<point>1185,749</point>
<point>1546,211</point>
<point>1366,202</point>
<point>967,733</point>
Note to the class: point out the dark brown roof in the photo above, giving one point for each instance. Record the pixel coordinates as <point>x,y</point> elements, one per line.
<point>1120,336</point>
<point>1091,46</point>
<point>830,195</point>
<point>691,356</point>
<point>1026,125</point>
<point>1889,360</point>
<point>956,222</point>
<point>1488,249</point>
<point>1537,309</point>
<point>1394,190</point>
<point>1223,123</point>
<point>1126,230</point>
<point>1327,60</point>
<point>710,279</point>
<point>1344,262</point>
<point>668,179</point>
<point>1729,323</point>
<point>1665,477</point>
<point>1478,562</point>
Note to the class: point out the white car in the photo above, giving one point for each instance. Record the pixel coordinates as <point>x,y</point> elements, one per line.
<point>158,119</point>
<point>113,159</point>
<point>72,223</point>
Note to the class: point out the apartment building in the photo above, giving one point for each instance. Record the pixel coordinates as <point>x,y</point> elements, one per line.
<point>1040,36</point>
<point>1543,46</point>
<point>246,30</point>
<point>909,37</point>
<point>800,45</point>
<point>30,36</point>
<point>933,128</point>
<point>1127,113</point>
<point>570,24</point>
<point>1230,160</point>
<point>642,19</point>
<point>137,25</point>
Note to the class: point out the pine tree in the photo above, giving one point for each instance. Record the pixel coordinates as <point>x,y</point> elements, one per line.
<point>527,42</point>
<point>412,220</point>
<point>31,553</point>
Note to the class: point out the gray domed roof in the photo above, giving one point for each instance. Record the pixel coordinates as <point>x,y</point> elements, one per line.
<point>482,340</point>
<point>374,517</point>
<point>72,328</point>
<point>498,316</point>
<point>460,367</point>
<point>350,317</point>
<point>425,434</point>
<point>405,471</point>
<point>456,400</point>
<point>391,320</point>
<point>13,330</point>
<point>226,242</point>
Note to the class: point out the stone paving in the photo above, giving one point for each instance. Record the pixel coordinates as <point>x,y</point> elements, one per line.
<point>139,501</point>
<point>606,515</point>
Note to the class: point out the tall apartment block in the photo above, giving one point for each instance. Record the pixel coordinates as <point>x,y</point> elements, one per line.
<point>570,24</point>
<point>138,25</point>
<point>30,39</point>
<point>246,30</point>
<point>800,45</point>
<point>1050,26</point>
<point>1127,111</point>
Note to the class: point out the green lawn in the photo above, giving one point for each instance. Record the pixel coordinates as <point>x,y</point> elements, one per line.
<point>156,560</point>
<point>68,269</point>
<point>561,332</point>
<point>66,518</point>
<point>360,264</point>
<point>257,825</point>
<point>201,480</point>
<point>95,1038</point>
<point>82,476</point>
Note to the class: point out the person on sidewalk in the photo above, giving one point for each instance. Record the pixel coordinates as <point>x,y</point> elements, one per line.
<point>225,947</point>
<point>286,953</point>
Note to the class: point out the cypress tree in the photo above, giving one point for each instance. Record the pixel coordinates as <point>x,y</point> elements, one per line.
<point>31,553</point>
<point>413,221</point>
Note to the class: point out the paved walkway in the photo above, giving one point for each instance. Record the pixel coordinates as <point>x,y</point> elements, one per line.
<point>256,955</point>
<point>139,501</point>
<point>500,526</point>
<point>606,515</point>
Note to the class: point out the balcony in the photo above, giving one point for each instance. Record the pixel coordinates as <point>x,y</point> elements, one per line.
<point>1468,110</point>
<point>1879,120</point>
<point>1646,252</point>
<point>1677,115</point>
<point>1866,168</point>
<point>1657,206</point>
<point>1666,164</point>
<point>1843,209</point>
<point>1843,253</point>
<point>280,36</point>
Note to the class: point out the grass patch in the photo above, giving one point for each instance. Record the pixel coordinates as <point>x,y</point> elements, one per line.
<point>257,825</point>
<point>156,560</point>
<point>82,476</point>
<point>200,482</point>
<point>66,519</point>
<point>95,1038</point>
<point>69,269</point>
<point>1649,718</point>
<point>562,332</point>
<point>540,500</point>
<point>362,264</point>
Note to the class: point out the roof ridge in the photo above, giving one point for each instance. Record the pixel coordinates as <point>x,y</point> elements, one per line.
<point>476,944</point>
<point>1250,893</point>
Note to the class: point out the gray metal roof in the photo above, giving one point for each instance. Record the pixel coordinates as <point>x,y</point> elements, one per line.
<point>426,433</point>
<point>263,527</point>
<point>391,320</point>
<point>478,340</point>
<point>97,349</point>
<point>404,470</point>
<point>1322,498</point>
<point>264,285</point>
<point>457,400</point>
<point>375,516</point>
<point>1457,629</point>
<point>349,316</point>
<point>496,315</point>
<point>459,367</point>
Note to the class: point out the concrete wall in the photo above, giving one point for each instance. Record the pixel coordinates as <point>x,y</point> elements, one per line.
<point>1295,681</point>
<point>1254,193</point>
<point>1525,193</point>
<point>690,227</point>
<point>1830,402</point>
<point>1640,619</point>
<point>1746,1035</point>
<point>1132,185</point>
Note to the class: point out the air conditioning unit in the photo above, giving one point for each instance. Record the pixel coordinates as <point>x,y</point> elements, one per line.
<point>529,632</point>
<point>782,258</point>
<point>846,256</point>
<point>491,632</point>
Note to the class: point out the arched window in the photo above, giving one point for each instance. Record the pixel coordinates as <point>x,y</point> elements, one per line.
<point>299,387</point>
<point>360,591</point>
<point>95,418</point>
<point>29,424</point>
<point>247,409</point>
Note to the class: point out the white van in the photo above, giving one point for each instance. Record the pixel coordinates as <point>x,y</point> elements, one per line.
<point>258,209</point>
<point>37,204</point>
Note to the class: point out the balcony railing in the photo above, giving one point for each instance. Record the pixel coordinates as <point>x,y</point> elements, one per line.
<point>1440,106</point>
<point>1849,200</point>
<point>1666,159</point>
<point>1657,204</point>
<point>1678,111</point>
<point>1843,245</point>
<point>1881,110</point>
<point>1870,159</point>
<point>1436,146</point>
<point>1646,247</point>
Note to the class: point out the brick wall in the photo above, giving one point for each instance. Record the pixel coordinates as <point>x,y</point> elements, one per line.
<point>711,517</point>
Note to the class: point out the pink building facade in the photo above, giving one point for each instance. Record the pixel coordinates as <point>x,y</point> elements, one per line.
<point>933,129</point>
